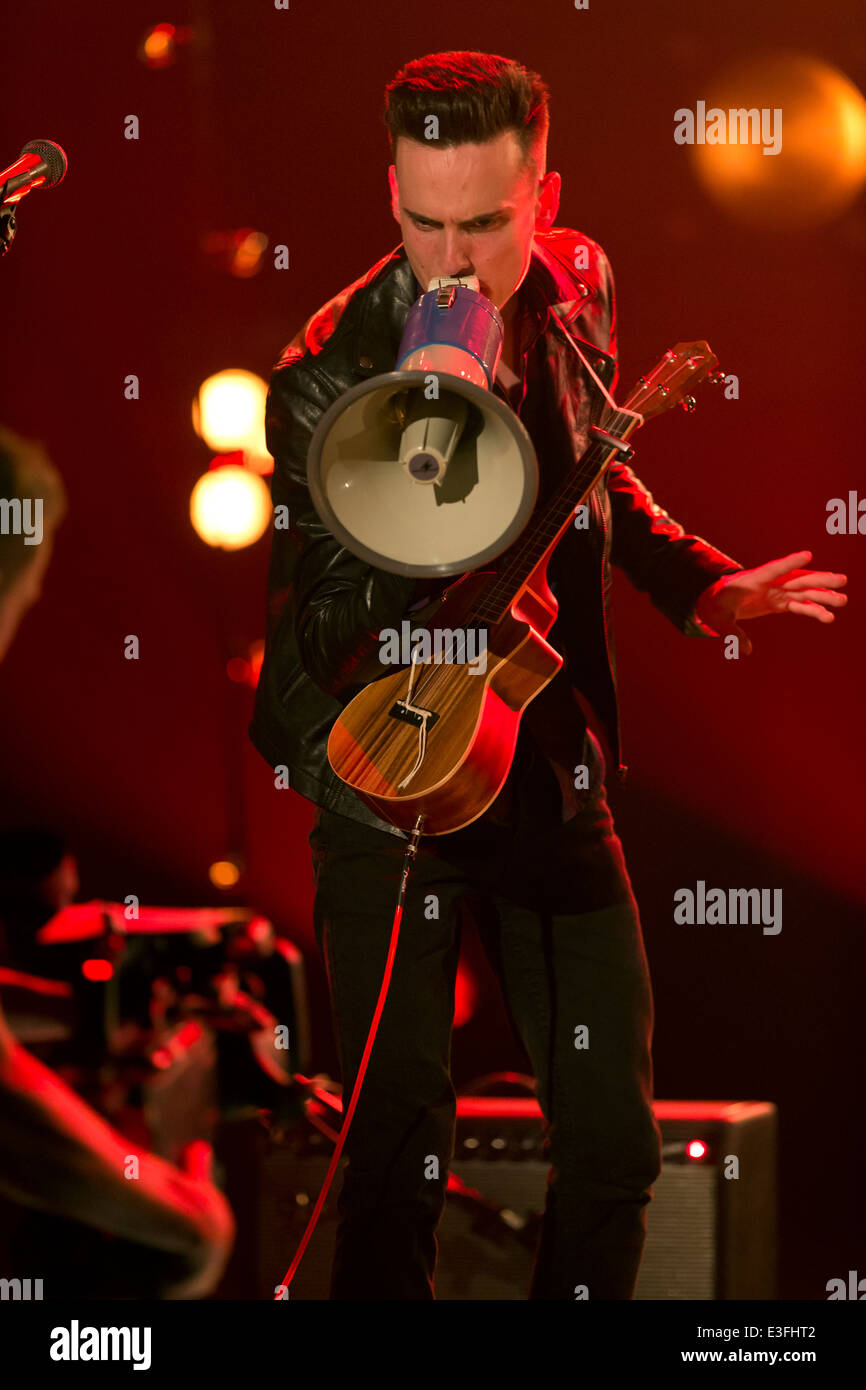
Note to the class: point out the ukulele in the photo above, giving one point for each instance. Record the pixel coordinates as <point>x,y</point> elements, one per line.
<point>429,745</point>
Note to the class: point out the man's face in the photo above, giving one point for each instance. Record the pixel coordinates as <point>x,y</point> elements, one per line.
<point>471,210</point>
<point>60,888</point>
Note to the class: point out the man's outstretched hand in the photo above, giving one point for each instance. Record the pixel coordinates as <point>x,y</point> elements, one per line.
<point>777,587</point>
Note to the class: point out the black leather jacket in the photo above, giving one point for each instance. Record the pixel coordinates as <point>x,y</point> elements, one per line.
<point>326,607</point>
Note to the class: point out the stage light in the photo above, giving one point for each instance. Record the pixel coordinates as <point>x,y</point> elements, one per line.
<point>263,465</point>
<point>229,413</point>
<point>261,931</point>
<point>237,670</point>
<point>97,969</point>
<point>256,660</point>
<point>224,873</point>
<point>246,670</point>
<point>158,48</point>
<point>465,996</point>
<point>239,252</point>
<point>696,1148</point>
<point>821,165</point>
<point>230,507</point>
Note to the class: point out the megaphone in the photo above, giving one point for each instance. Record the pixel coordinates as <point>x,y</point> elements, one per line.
<point>423,471</point>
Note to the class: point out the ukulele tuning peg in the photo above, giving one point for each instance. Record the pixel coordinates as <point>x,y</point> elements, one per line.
<point>716,378</point>
<point>688,403</point>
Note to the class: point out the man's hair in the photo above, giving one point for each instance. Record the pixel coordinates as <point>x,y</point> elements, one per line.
<point>29,853</point>
<point>475,97</point>
<point>26,471</point>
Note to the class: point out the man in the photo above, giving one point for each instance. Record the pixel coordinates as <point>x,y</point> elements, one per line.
<point>542,871</point>
<point>38,878</point>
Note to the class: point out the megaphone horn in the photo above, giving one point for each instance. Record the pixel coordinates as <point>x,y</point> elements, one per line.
<point>423,471</point>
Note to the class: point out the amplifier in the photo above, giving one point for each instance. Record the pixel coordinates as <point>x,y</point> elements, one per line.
<point>711,1226</point>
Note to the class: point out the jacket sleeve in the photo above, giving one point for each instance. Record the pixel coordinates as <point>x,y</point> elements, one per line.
<point>659,557</point>
<point>336,602</point>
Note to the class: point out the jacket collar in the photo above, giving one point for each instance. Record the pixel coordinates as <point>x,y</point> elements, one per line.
<point>549,287</point>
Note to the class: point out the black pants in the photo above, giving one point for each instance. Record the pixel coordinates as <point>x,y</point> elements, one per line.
<point>554,908</point>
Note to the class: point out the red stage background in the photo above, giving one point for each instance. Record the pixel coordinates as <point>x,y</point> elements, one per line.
<point>743,773</point>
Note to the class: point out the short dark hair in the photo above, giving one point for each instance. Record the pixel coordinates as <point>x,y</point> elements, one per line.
<point>30,852</point>
<point>474,96</point>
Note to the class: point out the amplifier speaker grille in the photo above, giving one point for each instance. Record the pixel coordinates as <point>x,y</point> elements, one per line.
<point>708,1236</point>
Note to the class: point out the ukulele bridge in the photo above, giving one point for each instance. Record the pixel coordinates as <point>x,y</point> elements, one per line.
<point>414,716</point>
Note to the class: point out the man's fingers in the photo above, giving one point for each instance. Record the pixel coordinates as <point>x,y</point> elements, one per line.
<point>773,568</point>
<point>821,579</point>
<point>812,610</point>
<point>817,596</point>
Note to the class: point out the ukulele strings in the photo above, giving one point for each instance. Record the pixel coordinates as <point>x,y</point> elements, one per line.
<point>520,564</point>
<point>615,419</point>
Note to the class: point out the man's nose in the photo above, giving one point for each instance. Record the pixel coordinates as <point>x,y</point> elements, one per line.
<point>456,260</point>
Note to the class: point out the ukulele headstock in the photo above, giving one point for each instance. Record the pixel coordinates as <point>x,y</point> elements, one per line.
<point>671,379</point>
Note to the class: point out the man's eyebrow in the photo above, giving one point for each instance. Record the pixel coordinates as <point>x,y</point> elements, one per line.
<point>482,217</point>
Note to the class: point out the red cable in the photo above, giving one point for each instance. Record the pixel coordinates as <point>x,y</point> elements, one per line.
<point>368,1048</point>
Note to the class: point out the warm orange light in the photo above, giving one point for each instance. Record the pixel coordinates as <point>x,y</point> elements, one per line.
<point>246,671</point>
<point>230,507</point>
<point>239,252</point>
<point>257,656</point>
<point>249,253</point>
<point>224,873</point>
<point>256,464</point>
<point>158,48</point>
<point>821,165</point>
<point>229,412</point>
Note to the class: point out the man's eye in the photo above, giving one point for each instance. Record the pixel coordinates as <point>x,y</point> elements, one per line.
<point>473,226</point>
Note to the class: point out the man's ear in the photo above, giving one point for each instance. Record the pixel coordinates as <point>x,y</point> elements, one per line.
<point>547,201</point>
<point>395,192</point>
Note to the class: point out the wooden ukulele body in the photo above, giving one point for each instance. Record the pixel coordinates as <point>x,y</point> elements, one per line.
<point>437,740</point>
<point>474,717</point>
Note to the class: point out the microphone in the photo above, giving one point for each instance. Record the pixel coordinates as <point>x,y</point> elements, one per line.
<point>41,164</point>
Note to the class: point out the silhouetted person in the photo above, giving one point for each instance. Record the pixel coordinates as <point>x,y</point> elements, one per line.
<point>173,1230</point>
